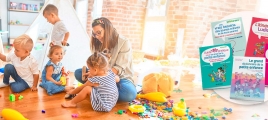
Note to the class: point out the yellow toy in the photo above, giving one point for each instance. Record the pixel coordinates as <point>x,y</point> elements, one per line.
<point>179,109</point>
<point>136,108</point>
<point>10,114</point>
<point>64,76</point>
<point>63,80</point>
<point>154,96</point>
<point>158,82</point>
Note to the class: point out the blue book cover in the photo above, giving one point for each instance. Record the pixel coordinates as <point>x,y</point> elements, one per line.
<point>230,31</point>
<point>248,78</point>
<point>216,64</point>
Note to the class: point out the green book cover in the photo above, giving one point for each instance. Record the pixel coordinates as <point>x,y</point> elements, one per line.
<point>216,64</point>
<point>230,31</point>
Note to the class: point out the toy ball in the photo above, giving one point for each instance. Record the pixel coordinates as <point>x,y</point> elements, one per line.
<point>10,114</point>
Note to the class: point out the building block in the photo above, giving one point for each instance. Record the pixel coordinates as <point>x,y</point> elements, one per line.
<point>12,97</point>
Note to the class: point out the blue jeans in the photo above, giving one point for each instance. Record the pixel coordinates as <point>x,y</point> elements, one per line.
<point>127,90</point>
<point>19,85</point>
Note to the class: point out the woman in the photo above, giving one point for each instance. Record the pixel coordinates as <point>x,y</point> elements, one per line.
<point>104,36</point>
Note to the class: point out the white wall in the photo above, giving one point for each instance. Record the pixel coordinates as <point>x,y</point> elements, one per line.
<point>81,8</point>
<point>3,16</point>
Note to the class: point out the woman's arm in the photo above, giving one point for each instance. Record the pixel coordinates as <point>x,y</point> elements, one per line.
<point>49,70</point>
<point>123,58</point>
<point>117,79</point>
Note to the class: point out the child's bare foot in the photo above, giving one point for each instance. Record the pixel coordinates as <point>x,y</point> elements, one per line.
<point>69,88</point>
<point>68,104</point>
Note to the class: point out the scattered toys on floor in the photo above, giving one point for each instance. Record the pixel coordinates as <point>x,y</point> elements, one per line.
<point>15,97</point>
<point>174,111</point>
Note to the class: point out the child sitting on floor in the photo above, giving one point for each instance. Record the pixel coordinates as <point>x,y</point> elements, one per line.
<point>53,71</point>
<point>24,68</point>
<point>101,85</point>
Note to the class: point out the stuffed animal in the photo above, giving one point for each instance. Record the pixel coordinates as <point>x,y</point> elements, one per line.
<point>158,82</point>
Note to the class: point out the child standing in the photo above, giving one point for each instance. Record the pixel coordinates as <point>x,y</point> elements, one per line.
<point>24,68</point>
<point>59,34</point>
<point>101,85</point>
<point>53,71</point>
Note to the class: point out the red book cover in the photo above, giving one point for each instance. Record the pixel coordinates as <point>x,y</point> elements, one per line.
<point>257,38</point>
<point>266,66</point>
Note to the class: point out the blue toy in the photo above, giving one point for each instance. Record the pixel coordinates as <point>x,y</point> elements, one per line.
<point>2,70</point>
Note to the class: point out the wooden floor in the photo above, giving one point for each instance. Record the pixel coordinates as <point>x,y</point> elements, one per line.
<point>34,102</point>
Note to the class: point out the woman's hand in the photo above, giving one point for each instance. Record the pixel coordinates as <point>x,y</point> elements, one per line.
<point>88,75</point>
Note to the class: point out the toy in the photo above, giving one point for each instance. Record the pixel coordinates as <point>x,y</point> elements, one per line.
<point>153,96</point>
<point>179,109</point>
<point>10,114</point>
<point>43,111</point>
<point>15,97</point>
<point>120,112</point>
<point>136,108</point>
<point>12,97</point>
<point>64,76</point>
<point>158,82</point>
<point>74,115</point>
<point>2,70</point>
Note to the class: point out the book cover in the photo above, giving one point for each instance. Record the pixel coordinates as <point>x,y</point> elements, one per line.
<point>266,64</point>
<point>230,31</point>
<point>248,78</point>
<point>257,38</point>
<point>216,66</point>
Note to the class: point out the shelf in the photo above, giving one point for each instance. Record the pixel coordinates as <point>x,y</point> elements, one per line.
<point>19,25</point>
<point>29,11</point>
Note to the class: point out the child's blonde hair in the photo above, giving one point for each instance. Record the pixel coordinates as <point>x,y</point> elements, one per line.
<point>52,49</point>
<point>98,60</point>
<point>50,8</point>
<point>24,41</point>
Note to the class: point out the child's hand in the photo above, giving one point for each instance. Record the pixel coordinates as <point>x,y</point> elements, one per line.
<point>58,83</point>
<point>33,88</point>
<point>64,43</point>
<point>51,44</point>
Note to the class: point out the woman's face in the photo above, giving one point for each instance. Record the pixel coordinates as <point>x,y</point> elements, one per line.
<point>98,32</point>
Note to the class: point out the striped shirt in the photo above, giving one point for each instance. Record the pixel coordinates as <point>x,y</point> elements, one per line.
<point>104,97</point>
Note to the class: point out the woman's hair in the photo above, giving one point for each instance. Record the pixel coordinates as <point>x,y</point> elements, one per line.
<point>98,60</point>
<point>52,49</point>
<point>24,41</point>
<point>110,35</point>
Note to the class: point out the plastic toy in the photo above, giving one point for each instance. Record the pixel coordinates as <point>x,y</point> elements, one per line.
<point>179,109</point>
<point>158,82</point>
<point>10,114</point>
<point>74,115</point>
<point>63,80</point>
<point>15,97</point>
<point>120,112</point>
<point>64,77</point>
<point>12,97</point>
<point>2,70</point>
<point>136,108</point>
<point>153,96</point>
